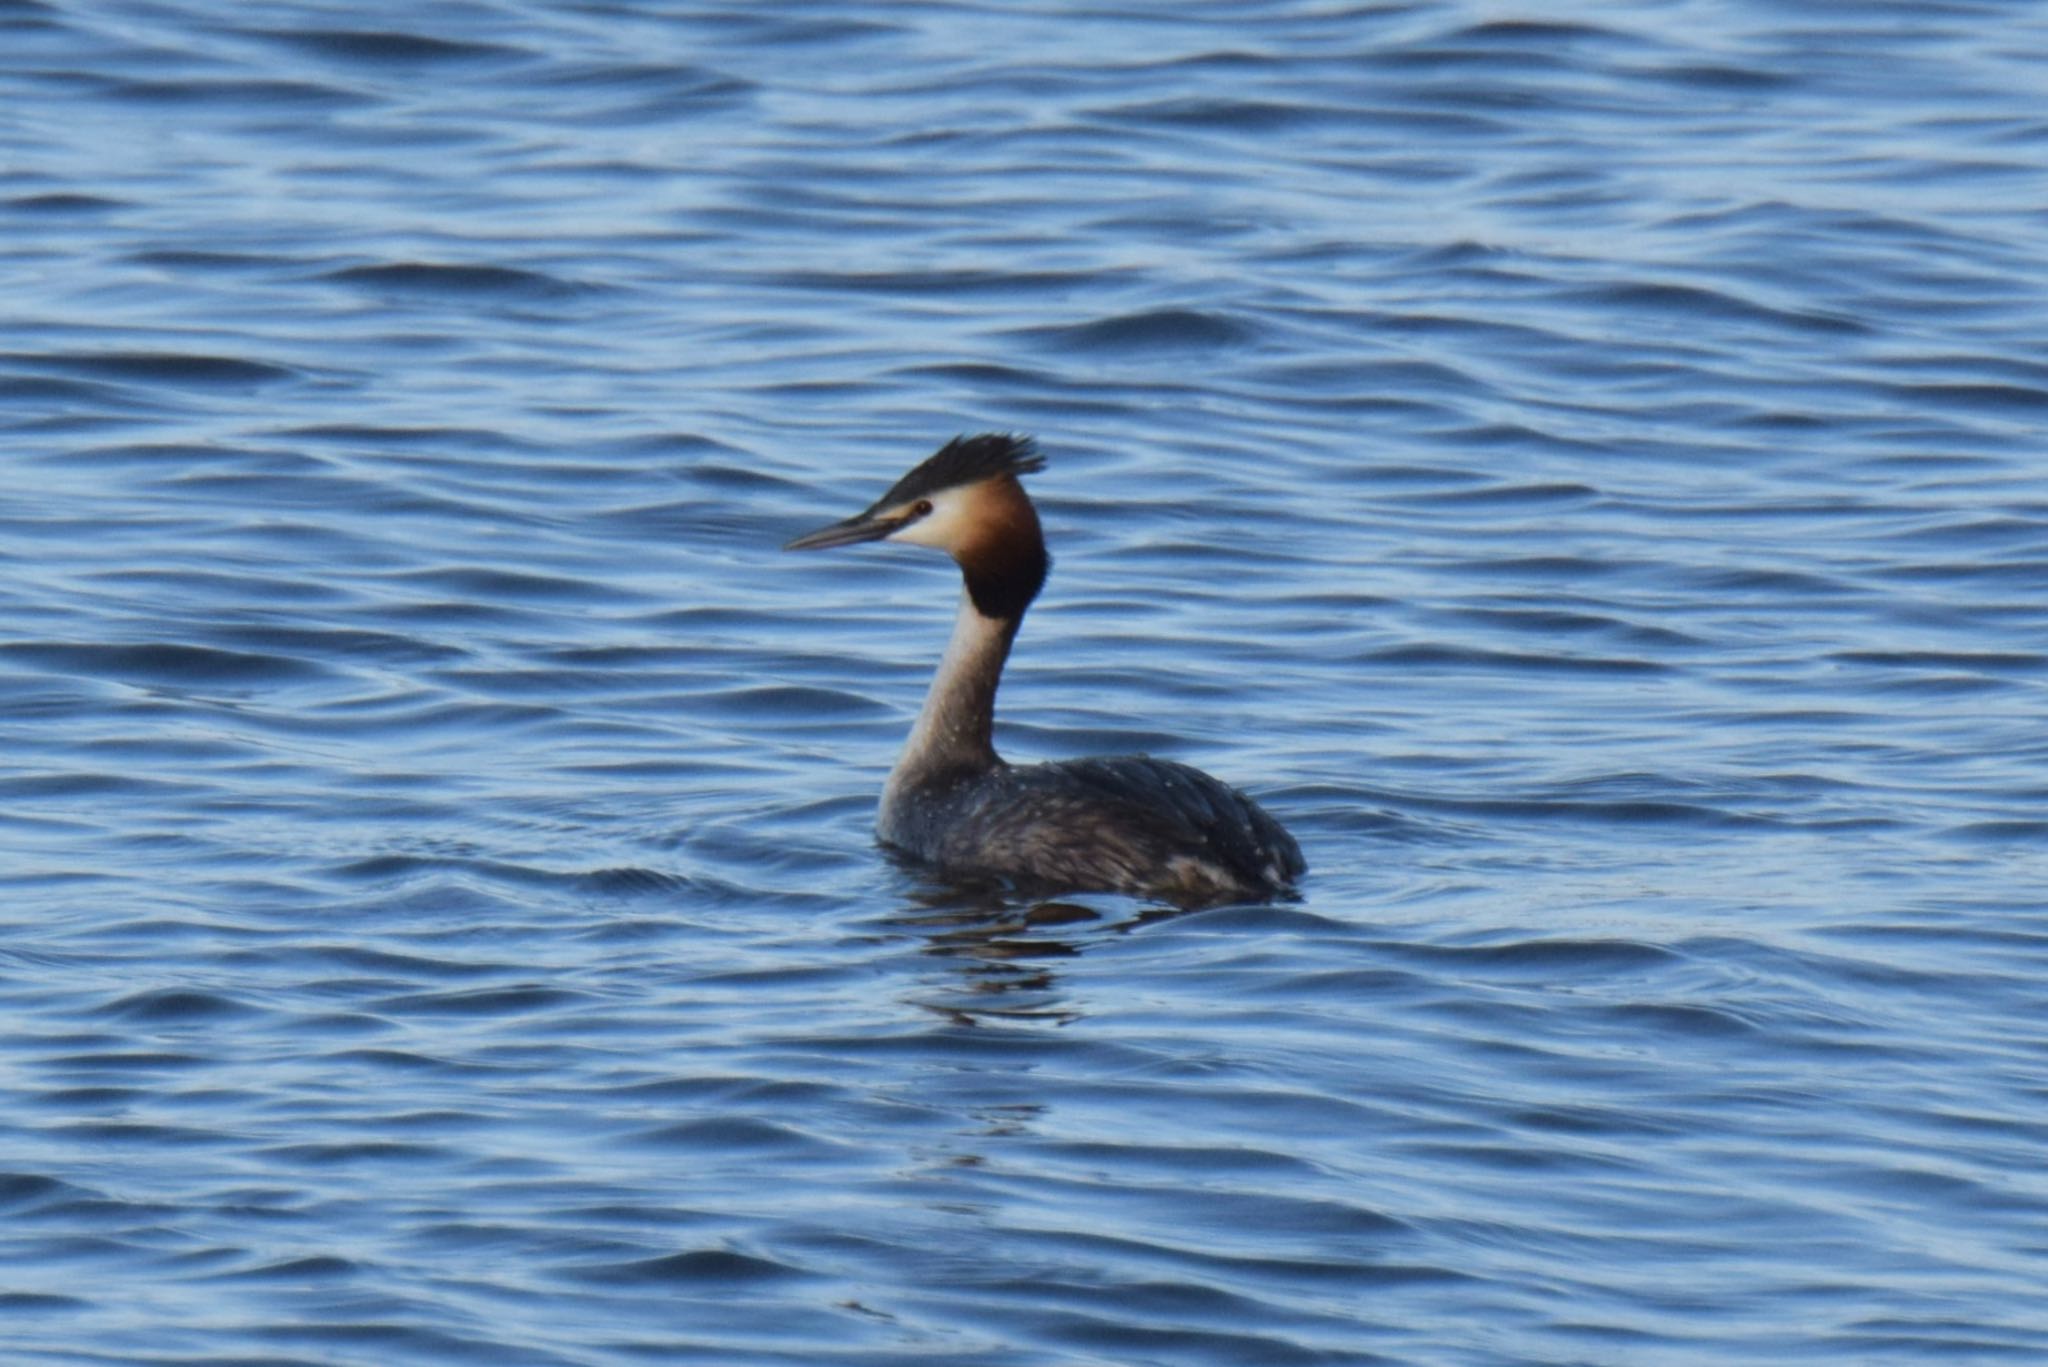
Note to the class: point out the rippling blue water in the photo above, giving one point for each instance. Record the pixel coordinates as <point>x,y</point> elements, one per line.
<point>1581,466</point>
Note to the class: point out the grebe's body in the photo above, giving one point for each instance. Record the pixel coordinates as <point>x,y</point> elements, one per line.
<point>1131,823</point>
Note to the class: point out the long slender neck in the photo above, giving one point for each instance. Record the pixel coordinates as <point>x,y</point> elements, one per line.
<point>956,728</point>
<point>993,533</point>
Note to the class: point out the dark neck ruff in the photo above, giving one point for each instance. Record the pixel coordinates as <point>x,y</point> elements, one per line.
<point>1003,582</point>
<point>1005,567</point>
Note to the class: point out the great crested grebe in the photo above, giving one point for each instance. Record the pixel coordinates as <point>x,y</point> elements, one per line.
<point>1127,824</point>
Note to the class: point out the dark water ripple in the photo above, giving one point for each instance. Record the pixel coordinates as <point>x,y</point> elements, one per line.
<point>1581,469</point>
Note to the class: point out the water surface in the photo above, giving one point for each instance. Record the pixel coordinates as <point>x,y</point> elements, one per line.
<point>1582,472</point>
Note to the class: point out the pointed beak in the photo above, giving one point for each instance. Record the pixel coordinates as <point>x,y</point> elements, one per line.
<point>867,526</point>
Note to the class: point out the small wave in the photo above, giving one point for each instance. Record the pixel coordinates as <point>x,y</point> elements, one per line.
<point>76,784</point>
<point>377,48</point>
<point>1683,1019</point>
<point>770,31</point>
<point>185,258</point>
<point>1143,333</point>
<point>64,202</point>
<point>354,645</point>
<point>794,702</point>
<point>352,1154</point>
<point>1982,661</point>
<point>295,1271</point>
<point>486,583</point>
<point>736,1136</point>
<point>2025,401</point>
<point>987,374</point>
<point>1645,812</point>
<point>141,1133</point>
<point>2029,834</point>
<point>44,391</point>
<point>1236,115</point>
<point>1553,622</point>
<point>438,278</point>
<point>612,95</point>
<point>1694,302</point>
<point>1721,76</point>
<point>175,1006</point>
<point>1380,380</point>
<point>1540,33</point>
<point>156,367</point>
<point>1508,495</point>
<point>164,663</point>
<point>964,283</point>
<point>1440,656</point>
<point>1542,957</point>
<point>30,1301</point>
<point>22,1191</point>
<point>363,959</point>
<point>482,1001</point>
<point>699,1269</point>
<point>235,94</point>
<point>633,882</point>
<point>140,1062</point>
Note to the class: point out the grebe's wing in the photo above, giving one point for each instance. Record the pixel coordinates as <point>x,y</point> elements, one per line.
<point>1196,812</point>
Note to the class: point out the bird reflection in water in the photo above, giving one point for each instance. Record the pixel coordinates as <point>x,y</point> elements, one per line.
<point>1006,946</point>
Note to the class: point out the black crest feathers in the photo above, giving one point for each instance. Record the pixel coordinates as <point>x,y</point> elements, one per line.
<point>966,460</point>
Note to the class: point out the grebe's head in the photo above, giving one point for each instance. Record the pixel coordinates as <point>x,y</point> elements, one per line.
<point>964,500</point>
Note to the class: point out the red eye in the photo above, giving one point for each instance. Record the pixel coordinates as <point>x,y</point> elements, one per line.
<point>922,508</point>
